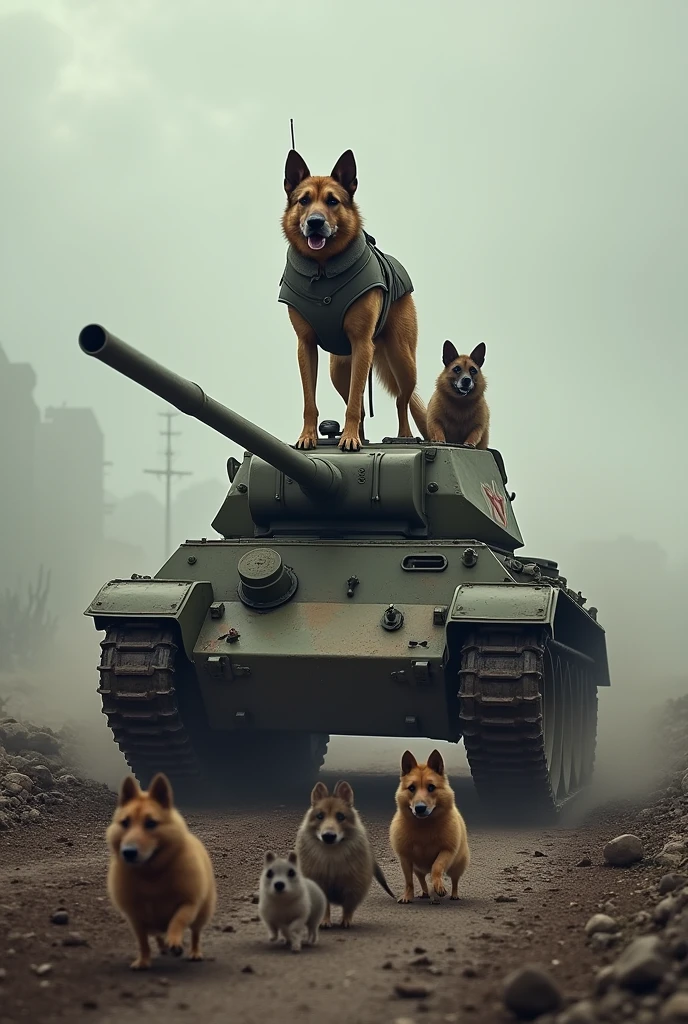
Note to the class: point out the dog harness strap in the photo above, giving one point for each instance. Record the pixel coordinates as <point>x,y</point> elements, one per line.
<point>323,293</point>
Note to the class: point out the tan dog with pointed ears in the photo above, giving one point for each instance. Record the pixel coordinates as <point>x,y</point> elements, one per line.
<point>160,877</point>
<point>457,411</point>
<point>427,833</point>
<point>346,297</point>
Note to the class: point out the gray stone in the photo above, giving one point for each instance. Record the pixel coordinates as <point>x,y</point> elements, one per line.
<point>580,1013</point>
<point>601,923</point>
<point>668,883</point>
<point>675,1009</point>
<point>603,940</point>
<point>60,917</point>
<point>531,991</point>
<point>17,779</point>
<point>665,909</point>
<point>68,780</point>
<point>641,966</point>
<point>43,776</point>
<point>623,851</point>
<point>13,736</point>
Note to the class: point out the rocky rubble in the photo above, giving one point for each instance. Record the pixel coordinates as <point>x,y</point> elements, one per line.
<point>642,977</point>
<point>37,772</point>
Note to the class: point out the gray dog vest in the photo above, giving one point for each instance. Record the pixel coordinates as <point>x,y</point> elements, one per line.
<point>322,293</point>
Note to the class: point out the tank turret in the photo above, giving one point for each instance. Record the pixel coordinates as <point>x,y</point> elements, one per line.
<point>402,487</point>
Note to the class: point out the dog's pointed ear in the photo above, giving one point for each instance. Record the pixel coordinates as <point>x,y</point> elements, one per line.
<point>344,791</point>
<point>319,792</point>
<point>436,763</point>
<point>269,857</point>
<point>408,762</point>
<point>449,353</point>
<point>344,171</point>
<point>295,171</point>
<point>160,790</point>
<point>478,354</point>
<point>128,790</point>
<point>293,857</point>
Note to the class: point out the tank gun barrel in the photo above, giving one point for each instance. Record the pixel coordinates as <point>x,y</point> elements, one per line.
<point>315,475</point>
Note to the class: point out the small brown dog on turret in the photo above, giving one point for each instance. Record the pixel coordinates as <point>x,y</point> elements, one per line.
<point>335,852</point>
<point>427,832</point>
<point>457,411</point>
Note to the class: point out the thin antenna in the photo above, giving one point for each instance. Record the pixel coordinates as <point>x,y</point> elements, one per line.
<point>291,122</point>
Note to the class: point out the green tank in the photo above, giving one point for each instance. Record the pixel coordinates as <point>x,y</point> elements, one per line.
<point>369,593</point>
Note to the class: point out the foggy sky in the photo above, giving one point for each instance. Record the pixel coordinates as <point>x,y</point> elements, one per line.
<point>526,161</point>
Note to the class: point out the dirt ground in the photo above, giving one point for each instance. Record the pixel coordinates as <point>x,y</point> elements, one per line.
<point>524,899</point>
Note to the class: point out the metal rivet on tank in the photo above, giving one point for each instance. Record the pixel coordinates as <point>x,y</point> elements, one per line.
<point>327,300</point>
<point>242,488</point>
<point>392,618</point>
<point>432,487</point>
<point>191,559</point>
<point>469,557</point>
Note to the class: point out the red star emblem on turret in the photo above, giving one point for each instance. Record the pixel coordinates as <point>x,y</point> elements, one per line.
<point>496,503</point>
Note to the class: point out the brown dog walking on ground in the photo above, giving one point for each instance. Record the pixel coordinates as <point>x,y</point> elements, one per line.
<point>457,411</point>
<point>427,833</point>
<point>346,297</point>
<point>160,877</point>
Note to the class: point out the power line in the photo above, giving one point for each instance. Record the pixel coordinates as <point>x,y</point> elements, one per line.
<point>168,473</point>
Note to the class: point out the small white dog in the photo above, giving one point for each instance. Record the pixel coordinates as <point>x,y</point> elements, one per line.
<point>288,902</point>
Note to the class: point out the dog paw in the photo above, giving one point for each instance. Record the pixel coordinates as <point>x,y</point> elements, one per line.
<point>296,947</point>
<point>467,444</point>
<point>424,896</point>
<point>195,957</point>
<point>349,441</point>
<point>439,890</point>
<point>405,899</point>
<point>346,924</point>
<point>325,924</point>
<point>176,950</point>
<point>308,439</point>
<point>140,965</point>
<point>455,898</point>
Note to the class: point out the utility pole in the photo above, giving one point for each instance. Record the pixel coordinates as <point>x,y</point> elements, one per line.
<point>168,473</point>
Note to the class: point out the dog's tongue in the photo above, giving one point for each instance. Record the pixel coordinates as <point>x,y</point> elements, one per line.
<point>316,241</point>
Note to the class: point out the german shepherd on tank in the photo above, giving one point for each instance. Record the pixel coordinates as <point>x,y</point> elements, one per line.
<point>346,297</point>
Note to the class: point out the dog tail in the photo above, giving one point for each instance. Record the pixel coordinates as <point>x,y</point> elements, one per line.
<point>419,413</point>
<point>380,878</point>
<point>389,383</point>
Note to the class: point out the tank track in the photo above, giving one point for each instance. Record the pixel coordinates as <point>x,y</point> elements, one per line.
<point>139,667</point>
<point>137,686</point>
<point>502,677</point>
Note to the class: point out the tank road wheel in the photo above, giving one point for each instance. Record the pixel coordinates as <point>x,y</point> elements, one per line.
<point>528,711</point>
<point>157,718</point>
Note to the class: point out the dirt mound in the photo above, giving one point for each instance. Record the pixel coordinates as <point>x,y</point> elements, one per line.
<point>39,770</point>
<point>642,973</point>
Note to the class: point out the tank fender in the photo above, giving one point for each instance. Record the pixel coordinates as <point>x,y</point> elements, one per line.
<point>530,604</point>
<point>186,603</point>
